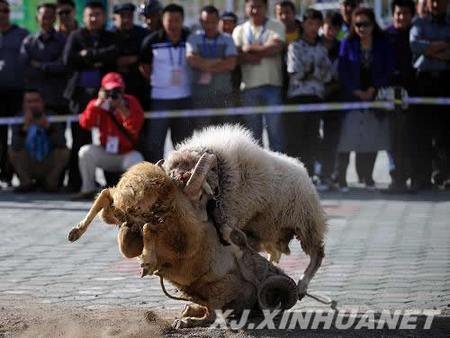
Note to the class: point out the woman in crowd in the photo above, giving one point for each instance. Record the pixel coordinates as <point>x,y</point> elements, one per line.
<point>365,65</point>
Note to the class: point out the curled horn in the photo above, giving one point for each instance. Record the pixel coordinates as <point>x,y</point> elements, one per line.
<point>160,163</point>
<point>198,177</point>
<point>277,292</point>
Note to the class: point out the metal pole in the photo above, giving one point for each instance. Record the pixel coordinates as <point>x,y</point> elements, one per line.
<point>229,5</point>
<point>378,11</point>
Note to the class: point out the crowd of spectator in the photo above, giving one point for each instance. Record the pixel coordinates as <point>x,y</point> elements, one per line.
<point>109,77</point>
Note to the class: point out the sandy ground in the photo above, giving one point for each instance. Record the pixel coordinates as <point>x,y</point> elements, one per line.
<point>34,320</point>
<point>40,320</point>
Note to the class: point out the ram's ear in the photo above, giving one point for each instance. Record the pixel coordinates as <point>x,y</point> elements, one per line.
<point>194,186</point>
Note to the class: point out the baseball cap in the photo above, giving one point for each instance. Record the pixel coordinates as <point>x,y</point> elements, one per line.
<point>150,7</point>
<point>124,7</point>
<point>112,80</point>
<point>229,16</point>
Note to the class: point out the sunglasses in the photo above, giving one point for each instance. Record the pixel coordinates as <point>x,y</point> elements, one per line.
<point>5,10</point>
<point>363,24</point>
<point>64,12</point>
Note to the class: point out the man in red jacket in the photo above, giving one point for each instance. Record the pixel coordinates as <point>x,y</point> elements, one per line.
<point>119,118</point>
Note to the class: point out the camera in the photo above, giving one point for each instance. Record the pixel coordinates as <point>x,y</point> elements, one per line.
<point>37,114</point>
<point>114,94</point>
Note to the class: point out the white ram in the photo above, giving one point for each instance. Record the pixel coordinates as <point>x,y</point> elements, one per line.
<point>266,194</point>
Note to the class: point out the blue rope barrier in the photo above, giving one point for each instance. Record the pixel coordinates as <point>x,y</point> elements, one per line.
<point>295,108</point>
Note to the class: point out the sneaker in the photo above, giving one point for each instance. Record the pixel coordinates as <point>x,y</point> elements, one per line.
<point>84,196</point>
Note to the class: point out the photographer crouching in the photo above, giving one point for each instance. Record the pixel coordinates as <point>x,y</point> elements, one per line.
<point>38,150</point>
<point>119,118</point>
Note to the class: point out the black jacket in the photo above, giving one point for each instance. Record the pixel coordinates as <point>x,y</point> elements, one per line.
<point>101,55</point>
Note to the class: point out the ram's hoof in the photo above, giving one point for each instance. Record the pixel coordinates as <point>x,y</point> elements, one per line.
<point>301,289</point>
<point>181,323</point>
<point>144,272</point>
<point>74,234</point>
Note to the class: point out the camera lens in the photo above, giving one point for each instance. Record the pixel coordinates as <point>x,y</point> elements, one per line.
<point>114,94</point>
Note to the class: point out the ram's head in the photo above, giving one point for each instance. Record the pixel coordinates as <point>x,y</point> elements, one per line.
<point>147,195</point>
<point>196,174</point>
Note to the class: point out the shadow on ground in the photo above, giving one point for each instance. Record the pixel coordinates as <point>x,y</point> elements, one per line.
<point>355,193</point>
<point>362,194</point>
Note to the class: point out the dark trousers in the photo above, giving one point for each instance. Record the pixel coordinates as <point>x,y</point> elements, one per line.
<point>400,148</point>
<point>155,130</point>
<point>366,163</point>
<point>430,135</point>
<point>11,101</point>
<point>138,87</point>
<point>47,172</point>
<point>80,136</point>
<point>331,131</point>
<point>301,134</point>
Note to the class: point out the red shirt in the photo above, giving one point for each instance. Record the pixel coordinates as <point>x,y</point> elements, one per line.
<point>94,116</point>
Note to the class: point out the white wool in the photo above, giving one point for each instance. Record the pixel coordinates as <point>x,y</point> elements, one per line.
<point>264,191</point>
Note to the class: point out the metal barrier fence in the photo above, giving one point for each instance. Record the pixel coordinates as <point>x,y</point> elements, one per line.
<point>292,108</point>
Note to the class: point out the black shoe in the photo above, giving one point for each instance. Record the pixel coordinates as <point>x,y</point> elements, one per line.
<point>420,186</point>
<point>84,196</point>
<point>343,187</point>
<point>50,189</point>
<point>23,189</point>
<point>395,189</point>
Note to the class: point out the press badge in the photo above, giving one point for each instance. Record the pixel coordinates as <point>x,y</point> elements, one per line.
<point>176,77</point>
<point>112,145</point>
<point>205,78</point>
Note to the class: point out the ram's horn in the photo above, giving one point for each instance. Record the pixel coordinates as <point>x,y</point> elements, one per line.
<point>207,188</point>
<point>160,163</point>
<point>277,292</point>
<point>198,177</point>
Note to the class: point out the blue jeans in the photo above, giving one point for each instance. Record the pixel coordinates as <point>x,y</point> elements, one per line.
<point>264,96</point>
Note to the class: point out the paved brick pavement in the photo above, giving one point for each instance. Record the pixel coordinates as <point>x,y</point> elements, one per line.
<point>380,253</point>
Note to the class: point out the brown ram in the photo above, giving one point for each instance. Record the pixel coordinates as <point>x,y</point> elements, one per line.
<point>158,218</point>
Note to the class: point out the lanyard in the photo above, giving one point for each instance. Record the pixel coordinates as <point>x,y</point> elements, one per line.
<point>210,49</point>
<point>180,55</point>
<point>251,38</point>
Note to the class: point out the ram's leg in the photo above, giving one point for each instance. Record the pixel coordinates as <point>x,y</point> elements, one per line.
<point>186,322</point>
<point>130,241</point>
<point>194,310</point>
<point>315,262</point>
<point>102,201</point>
<point>274,255</point>
<point>148,257</point>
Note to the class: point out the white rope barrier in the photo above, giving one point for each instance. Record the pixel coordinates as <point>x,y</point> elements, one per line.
<point>291,108</point>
